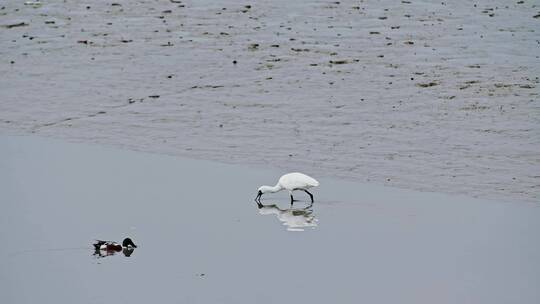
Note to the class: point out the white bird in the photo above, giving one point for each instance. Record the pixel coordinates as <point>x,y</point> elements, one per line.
<point>290,181</point>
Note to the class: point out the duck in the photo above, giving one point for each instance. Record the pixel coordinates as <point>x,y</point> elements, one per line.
<point>291,182</point>
<point>114,246</point>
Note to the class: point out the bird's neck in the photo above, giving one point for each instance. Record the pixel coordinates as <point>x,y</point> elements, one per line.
<point>276,188</point>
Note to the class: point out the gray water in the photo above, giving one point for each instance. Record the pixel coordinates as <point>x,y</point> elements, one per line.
<point>202,239</point>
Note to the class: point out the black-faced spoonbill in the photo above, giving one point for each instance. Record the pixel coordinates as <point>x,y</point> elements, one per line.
<point>290,181</point>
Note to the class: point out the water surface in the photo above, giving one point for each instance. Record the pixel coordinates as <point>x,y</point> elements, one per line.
<point>202,239</point>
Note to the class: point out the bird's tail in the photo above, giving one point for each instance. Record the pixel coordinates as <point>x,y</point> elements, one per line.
<point>98,244</point>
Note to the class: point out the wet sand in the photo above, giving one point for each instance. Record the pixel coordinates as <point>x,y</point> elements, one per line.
<point>202,239</point>
<point>430,95</point>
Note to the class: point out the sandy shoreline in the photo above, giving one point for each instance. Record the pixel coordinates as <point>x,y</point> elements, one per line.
<point>424,95</point>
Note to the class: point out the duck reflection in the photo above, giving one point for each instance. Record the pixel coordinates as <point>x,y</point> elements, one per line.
<point>295,219</point>
<point>127,252</point>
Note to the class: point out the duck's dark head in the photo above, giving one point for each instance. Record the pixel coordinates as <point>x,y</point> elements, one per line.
<point>128,243</point>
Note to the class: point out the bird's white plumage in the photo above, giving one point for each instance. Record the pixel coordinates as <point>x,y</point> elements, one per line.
<point>297,181</point>
<point>291,182</point>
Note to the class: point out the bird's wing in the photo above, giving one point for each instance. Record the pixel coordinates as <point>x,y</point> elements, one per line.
<point>297,181</point>
<point>102,242</point>
<point>99,243</point>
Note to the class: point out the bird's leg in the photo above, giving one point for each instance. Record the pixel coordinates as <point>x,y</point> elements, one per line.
<point>310,195</point>
<point>292,200</point>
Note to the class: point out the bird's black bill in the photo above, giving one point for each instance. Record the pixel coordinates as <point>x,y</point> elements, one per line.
<point>258,197</point>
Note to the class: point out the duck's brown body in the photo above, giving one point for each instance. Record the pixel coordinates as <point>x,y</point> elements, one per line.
<point>113,246</point>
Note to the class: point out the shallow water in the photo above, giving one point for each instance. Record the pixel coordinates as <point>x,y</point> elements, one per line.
<point>202,238</point>
<point>431,95</point>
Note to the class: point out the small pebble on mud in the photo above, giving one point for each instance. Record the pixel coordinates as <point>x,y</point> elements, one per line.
<point>253,46</point>
<point>342,61</point>
<point>16,25</point>
<point>426,85</point>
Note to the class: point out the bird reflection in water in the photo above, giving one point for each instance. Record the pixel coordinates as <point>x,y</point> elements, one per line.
<point>296,219</point>
<point>99,253</point>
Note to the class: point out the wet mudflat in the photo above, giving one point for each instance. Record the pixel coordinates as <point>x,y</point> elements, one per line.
<point>430,95</point>
<point>202,239</point>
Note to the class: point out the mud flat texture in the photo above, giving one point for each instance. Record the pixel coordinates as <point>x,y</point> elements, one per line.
<point>428,95</point>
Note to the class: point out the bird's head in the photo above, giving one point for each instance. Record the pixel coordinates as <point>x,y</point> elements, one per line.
<point>128,243</point>
<point>264,189</point>
<point>261,191</point>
